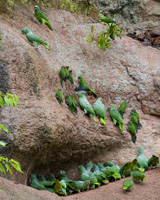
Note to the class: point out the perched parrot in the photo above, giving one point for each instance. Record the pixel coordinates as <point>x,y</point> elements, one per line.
<point>87,175</point>
<point>122,107</point>
<point>114,166</point>
<point>85,105</point>
<point>126,169</point>
<point>81,80</point>
<point>85,89</point>
<point>89,166</point>
<point>59,96</point>
<point>65,177</point>
<point>138,175</point>
<point>153,161</point>
<point>133,130</point>
<point>33,38</point>
<point>74,102</point>
<point>71,105</point>
<point>106,20</point>
<point>135,118</point>
<point>63,74</point>
<point>35,184</point>
<point>44,182</point>
<point>60,187</point>
<point>100,110</point>
<point>101,177</point>
<point>52,177</point>
<point>42,17</point>
<point>71,78</point>
<point>116,117</point>
<point>142,159</point>
<point>127,184</point>
<point>79,186</point>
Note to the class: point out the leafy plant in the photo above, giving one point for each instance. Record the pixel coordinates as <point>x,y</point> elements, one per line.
<point>10,100</point>
<point>104,38</point>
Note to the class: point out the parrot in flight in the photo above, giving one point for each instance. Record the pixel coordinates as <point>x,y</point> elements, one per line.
<point>85,89</point>
<point>59,96</point>
<point>100,110</point>
<point>33,38</point>
<point>135,118</point>
<point>133,130</point>
<point>85,105</point>
<point>42,17</point>
<point>122,107</point>
<point>81,80</point>
<point>116,117</point>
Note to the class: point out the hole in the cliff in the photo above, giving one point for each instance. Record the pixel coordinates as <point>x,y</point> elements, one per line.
<point>149,38</point>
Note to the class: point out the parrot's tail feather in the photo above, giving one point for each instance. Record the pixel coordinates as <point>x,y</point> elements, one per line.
<point>94,117</point>
<point>103,121</point>
<point>134,138</point>
<point>46,46</point>
<point>121,113</point>
<point>49,26</point>
<point>121,126</point>
<point>139,125</point>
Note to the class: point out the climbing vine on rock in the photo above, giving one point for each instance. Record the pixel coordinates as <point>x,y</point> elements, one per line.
<point>11,101</point>
<point>105,37</point>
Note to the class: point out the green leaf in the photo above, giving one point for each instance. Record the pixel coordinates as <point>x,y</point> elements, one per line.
<point>3,144</point>
<point>99,32</point>
<point>8,168</point>
<point>2,168</point>
<point>4,128</point>
<point>92,28</point>
<point>16,165</point>
<point>1,102</point>
<point>7,101</point>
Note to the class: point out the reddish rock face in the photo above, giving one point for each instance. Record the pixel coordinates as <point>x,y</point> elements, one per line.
<point>47,137</point>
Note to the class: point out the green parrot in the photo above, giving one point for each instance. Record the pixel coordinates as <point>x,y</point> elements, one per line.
<point>138,175</point>
<point>52,177</point>
<point>60,187</point>
<point>100,110</point>
<point>116,117</point>
<point>33,38</point>
<point>66,69</point>
<point>85,105</point>
<point>135,118</point>
<point>59,96</point>
<point>109,171</point>
<point>42,17</point>
<point>134,165</point>
<point>106,20</point>
<point>114,166</point>
<point>65,177</point>
<point>85,175</point>
<point>101,177</point>
<point>122,107</point>
<point>71,78</point>
<point>127,184</point>
<point>79,186</point>
<point>81,80</point>
<point>44,182</point>
<point>89,166</point>
<point>142,159</point>
<point>71,104</point>
<point>85,89</point>
<point>35,184</point>
<point>133,130</point>
<point>73,100</point>
<point>153,161</point>
<point>63,75</point>
<point>126,169</point>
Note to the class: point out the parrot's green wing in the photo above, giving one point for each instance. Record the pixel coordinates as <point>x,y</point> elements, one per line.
<point>36,40</point>
<point>59,96</point>
<point>85,105</point>
<point>116,117</point>
<point>142,159</point>
<point>100,110</point>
